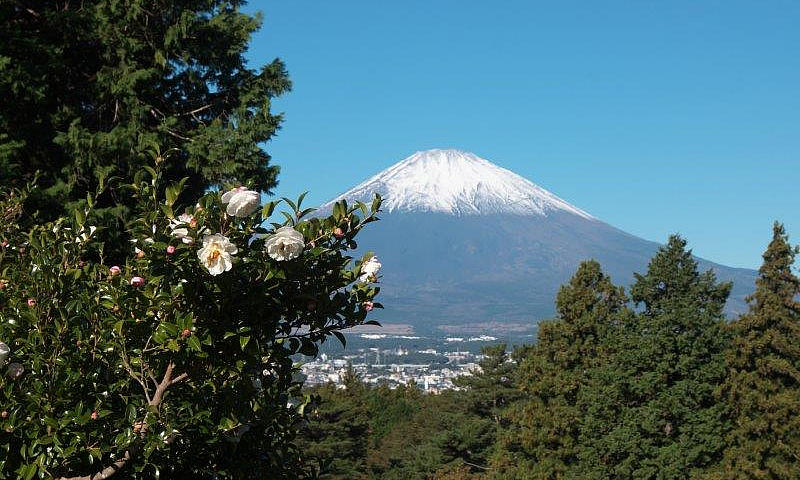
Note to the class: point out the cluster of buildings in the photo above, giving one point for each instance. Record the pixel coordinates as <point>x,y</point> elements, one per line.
<point>429,369</point>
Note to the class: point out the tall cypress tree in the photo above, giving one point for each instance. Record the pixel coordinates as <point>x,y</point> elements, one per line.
<point>763,383</point>
<point>542,442</point>
<point>651,411</point>
<point>90,86</point>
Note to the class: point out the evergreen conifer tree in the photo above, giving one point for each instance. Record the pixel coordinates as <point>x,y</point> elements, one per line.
<point>543,439</point>
<point>89,86</point>
<point>651,411</point>
<point>763,383</point>
<point>337,433</point>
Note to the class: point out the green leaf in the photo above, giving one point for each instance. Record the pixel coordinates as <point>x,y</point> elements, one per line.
<point>341,338</point>
<point>194,343</point>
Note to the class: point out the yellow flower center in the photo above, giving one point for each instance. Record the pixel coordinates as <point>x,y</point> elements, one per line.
<point>213,256</point>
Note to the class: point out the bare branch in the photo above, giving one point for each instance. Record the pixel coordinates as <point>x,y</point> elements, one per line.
<point>106,472</point>
<point>161,389</point>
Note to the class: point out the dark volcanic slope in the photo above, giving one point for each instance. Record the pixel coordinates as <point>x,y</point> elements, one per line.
<point>465,241</point>
<point>445,269</point>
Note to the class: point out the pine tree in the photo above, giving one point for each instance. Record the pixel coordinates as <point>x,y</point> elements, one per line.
<point>542,442</point>
<point>337,433</point>
<point>491,389</point>
<point>763,383</point>
<point>651,411</point>
<point>88,87</point>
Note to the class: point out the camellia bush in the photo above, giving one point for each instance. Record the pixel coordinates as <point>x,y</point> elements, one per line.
<point>178,363</point>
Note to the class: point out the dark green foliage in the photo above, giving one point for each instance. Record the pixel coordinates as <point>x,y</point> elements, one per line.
<point>410,434</point>
<point>609,392</point>
<point>88,86</point>
<point>164,366</point>
<point>543,442</point>
<point>651,411</point>
<point>763,383</point>
<point>337,431</point>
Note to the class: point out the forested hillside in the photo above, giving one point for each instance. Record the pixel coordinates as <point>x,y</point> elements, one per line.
<point>650,383</point>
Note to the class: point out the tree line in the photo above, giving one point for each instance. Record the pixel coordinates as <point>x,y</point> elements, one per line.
<point>652,383</point>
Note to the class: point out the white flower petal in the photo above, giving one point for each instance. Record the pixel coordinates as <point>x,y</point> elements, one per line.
<point>285,244</point>
<point>216,253</point>
<point>241,202</point>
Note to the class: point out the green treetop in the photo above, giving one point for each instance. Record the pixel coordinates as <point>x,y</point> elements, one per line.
<point>542,441</point>
<point>763,383</point>
<point>88,86</point>
<point>651,411</point>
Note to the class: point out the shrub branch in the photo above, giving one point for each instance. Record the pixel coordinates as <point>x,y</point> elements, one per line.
<point>167,381</point>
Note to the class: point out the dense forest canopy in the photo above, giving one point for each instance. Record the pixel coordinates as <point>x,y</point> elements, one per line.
<point>661,388</point>
<point>89,86</point>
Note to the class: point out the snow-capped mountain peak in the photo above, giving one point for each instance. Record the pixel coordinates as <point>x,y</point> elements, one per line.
<point>457,183</point>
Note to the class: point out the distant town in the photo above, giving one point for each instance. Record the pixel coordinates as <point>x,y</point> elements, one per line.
<point>430,363</point>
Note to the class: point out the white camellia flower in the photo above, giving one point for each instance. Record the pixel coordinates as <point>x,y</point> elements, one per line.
<point>217,253</point>
<point>4,352</point>
<point>179,230</point>
<point>285,244</point>
<point>369,270</point>
<point>241,201</point>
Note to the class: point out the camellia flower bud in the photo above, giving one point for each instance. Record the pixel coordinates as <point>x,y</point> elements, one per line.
<point>31,302</point>
<point>186,333</point>
<point>114,271</point>
<point>4,244</point>
<point>3,284</point>
<point>95,415</point>
<point>338,233</point>
<point>4,414</point>
<point>139,252</point>
<point>137,281</point>
<point>368,306</point>
<point>170,250</point>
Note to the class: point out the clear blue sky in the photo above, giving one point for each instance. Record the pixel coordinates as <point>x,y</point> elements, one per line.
<point>656,117</point>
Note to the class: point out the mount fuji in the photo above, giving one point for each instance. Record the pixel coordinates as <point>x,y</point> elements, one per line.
<point>465,242</point>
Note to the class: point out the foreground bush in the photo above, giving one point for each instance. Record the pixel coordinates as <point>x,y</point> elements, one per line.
<point>177,364</point>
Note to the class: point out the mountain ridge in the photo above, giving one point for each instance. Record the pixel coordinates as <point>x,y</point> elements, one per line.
<point>449,264</point>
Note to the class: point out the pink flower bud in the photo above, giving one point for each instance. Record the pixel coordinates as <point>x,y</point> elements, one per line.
<point>114,271</point>
<point>137,281</point>
<point>3,284</point>
<point>368,306</point>
<point>4,244</point>
<point>139,253</point>
<point>170,250</point>
<point>338,233</point>
<point>31,302</point>
<point>95,415</point>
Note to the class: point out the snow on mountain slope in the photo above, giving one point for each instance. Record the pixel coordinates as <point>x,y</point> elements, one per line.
<point>444,264</point>
<point>457,183</point>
